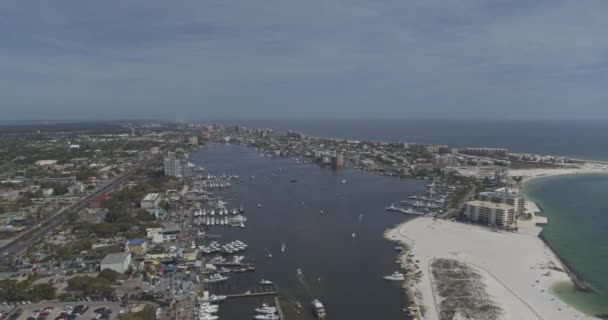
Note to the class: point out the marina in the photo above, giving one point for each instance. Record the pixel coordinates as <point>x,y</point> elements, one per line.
<point>283,237</point>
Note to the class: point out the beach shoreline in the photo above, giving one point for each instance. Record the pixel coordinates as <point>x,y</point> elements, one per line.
<point>516,279</point>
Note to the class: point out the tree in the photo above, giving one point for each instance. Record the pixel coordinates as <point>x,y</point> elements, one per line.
<point>110,275</point>
<point>42,291</point>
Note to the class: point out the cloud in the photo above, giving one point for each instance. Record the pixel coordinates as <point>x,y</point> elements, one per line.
<point>316,58</point>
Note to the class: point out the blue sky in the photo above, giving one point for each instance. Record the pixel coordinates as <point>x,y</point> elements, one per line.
<point>317,58</point>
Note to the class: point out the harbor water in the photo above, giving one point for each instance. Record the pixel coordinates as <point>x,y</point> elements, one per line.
<point>331,224</point>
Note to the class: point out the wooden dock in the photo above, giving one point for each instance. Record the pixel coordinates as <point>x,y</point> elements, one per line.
<point>258,292</point>
<point>277,304</point>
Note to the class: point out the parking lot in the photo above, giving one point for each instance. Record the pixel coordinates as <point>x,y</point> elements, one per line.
<point>88,310</point>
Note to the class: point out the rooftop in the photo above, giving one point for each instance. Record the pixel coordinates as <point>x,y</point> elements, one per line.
<point>112,258</point>
<point>488,204</point>
<point>151,196</point>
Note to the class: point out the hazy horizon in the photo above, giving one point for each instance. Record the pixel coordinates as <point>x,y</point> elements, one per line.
<point>314,59</point>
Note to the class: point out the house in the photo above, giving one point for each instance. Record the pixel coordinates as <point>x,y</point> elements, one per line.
<point>137,246</point>
<point>118,262</point>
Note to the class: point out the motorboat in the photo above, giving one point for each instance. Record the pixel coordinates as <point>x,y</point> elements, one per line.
<point>265,282</point>
<point>395,276</point>
<point>318,309</point>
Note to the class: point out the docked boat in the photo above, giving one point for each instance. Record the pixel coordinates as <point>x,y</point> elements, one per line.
<point>395,276</point>
<point>216,277</point>
<point>265,309</point>
<point>318,309</point>
<point>265,282</point>
<point>266,317</point>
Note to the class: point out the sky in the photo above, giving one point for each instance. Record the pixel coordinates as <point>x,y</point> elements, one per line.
<point>183,59</point>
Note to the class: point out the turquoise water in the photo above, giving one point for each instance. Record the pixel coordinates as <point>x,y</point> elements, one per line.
<point>577,208</point>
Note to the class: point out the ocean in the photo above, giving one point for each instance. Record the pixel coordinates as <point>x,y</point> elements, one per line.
<point>577,208</point>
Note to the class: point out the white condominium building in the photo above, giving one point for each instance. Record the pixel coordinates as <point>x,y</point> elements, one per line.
<point>490,213</point>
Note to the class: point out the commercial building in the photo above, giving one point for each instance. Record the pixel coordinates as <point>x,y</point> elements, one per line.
<point>511,198</point>
<point>337,160</point>
<point>173,166</point>
<point>150,201</point>
<point>193,140</point>
<point>487,152</point>
<point>118,262</point>
<point>492,214</point>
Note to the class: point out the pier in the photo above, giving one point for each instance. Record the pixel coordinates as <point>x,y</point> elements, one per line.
<point>277,303</point>
<point>259,292</point>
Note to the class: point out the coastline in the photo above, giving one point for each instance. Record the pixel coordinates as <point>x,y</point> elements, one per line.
<point>517,280</point>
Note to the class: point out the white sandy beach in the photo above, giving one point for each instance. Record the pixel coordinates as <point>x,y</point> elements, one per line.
<point>586,168</point>
<point>515,266</point>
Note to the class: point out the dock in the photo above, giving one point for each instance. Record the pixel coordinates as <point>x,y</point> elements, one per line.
<point>279,309</point>
<point>259,292</point>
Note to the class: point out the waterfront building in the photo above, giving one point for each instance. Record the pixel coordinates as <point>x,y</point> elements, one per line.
<point>505,196</point>
<point>193,140</point>
<point>490,213</point>
<point>150,201</point>
<point>173,166</point>
<point>118,262</point>
<point>487,152</point>
<point>337,160</point>
<point>154,150</point>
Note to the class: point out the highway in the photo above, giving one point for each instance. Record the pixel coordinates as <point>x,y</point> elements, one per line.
<point>34,234</point>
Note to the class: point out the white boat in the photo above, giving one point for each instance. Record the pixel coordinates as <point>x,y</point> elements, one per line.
<point>267,317</point>
<point>259,205</point>
<point>265,282</point>
<point>318,309</point>
<point>265,309</point>
<point>299,272</point>
<point>395,276</point>
<point>354,235</point>
<point>283,247</point>
<point>216,277</point>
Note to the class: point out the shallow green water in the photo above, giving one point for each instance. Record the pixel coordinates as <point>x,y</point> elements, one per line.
<point>577,208</point>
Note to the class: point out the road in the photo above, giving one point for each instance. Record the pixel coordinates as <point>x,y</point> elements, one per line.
<point>36,233</point>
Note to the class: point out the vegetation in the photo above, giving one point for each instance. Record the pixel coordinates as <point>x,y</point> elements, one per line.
<point>100,285</point>
<point>26,290</point>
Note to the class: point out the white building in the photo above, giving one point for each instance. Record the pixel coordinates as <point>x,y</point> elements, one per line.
<point>173,166</point>
<point>512,198</point>
<point>118,262</point>
<point>492,214</point>
<point>150,201</point>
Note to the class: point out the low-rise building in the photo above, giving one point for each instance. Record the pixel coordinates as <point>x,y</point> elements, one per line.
<point>137,246</point>
<point>118,262</point>
<point>492,214</point>
<point>150,201</point>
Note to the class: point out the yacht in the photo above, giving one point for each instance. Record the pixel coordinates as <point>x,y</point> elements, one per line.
<point>259,205</point>
<point>265,309</point>
<point>395,276</point>
<point>265,282</point>
<point>216,277</point>
<point>318,309</point>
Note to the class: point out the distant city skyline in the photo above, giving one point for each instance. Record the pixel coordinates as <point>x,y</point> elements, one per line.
<point>310,59</point>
